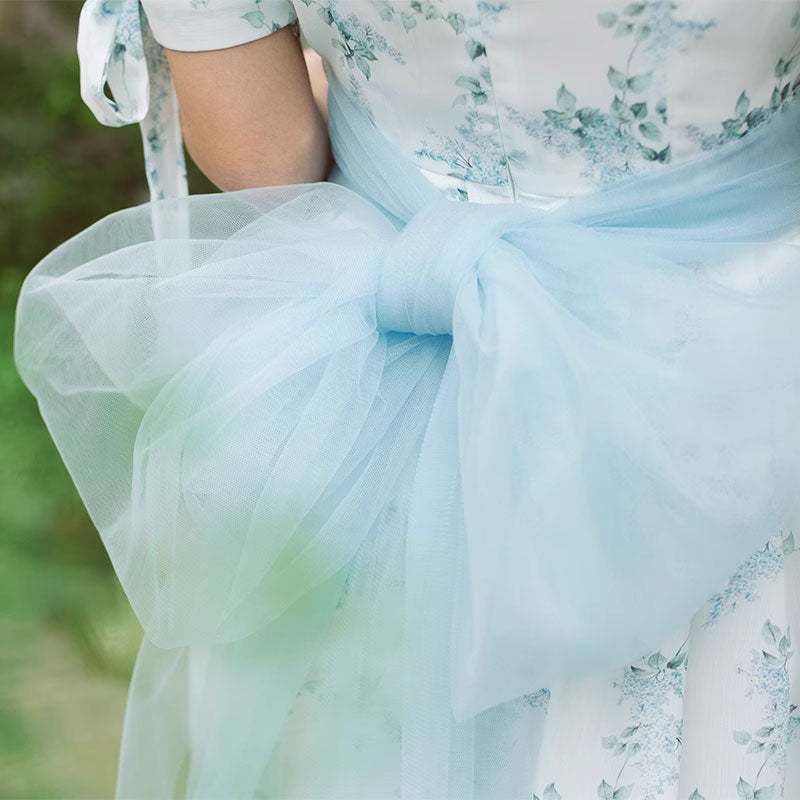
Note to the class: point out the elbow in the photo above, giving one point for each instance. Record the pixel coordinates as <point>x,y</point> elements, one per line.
<point>304,157</point>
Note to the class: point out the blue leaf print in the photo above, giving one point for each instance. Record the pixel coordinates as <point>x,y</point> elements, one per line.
<point>619,140</point>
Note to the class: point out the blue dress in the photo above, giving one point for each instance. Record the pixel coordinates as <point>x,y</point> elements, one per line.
<point>393,530</point>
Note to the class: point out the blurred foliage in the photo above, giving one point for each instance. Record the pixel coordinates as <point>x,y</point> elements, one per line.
<point>67,635</point>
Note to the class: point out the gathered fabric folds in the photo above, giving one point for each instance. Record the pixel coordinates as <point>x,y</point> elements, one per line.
<point>373,466</point>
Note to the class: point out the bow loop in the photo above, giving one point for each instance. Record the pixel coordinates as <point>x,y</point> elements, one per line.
<point>437,251</point>
<point>117,47</point>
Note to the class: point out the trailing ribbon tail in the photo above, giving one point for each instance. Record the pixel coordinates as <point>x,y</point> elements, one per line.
<point>117,47</point>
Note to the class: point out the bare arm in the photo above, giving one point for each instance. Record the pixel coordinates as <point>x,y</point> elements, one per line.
<point>319,81</point>
<point>249,115</point>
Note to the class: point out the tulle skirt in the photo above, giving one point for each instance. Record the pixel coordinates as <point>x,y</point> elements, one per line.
<point>380,472</point>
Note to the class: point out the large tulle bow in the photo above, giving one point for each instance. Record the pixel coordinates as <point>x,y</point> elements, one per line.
<point>574,423</point>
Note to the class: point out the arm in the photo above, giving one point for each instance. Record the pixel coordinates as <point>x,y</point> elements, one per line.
<point>249,115</point>
<point>319,81</point>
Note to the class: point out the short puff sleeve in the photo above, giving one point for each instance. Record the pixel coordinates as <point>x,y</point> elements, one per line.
<point>213,24</point>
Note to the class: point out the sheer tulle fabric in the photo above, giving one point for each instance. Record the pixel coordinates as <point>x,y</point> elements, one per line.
<point>373,465</point>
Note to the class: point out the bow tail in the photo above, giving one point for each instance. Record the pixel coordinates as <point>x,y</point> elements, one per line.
<point>627,438</point>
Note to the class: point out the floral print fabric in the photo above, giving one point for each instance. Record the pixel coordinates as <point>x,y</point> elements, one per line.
<point>712,714</point>
<point>533,102</point>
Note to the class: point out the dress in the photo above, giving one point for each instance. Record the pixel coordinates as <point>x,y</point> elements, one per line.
<point>531,103</point>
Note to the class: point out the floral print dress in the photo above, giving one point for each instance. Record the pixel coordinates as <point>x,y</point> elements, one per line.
<point>534,102</point>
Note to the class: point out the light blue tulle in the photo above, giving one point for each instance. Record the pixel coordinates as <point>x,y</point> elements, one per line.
<point>373,466</point>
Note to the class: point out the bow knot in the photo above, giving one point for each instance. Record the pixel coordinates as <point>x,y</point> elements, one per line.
<point>434,254</point>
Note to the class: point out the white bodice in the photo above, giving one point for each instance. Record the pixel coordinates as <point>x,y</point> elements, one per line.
<point>532,100</point>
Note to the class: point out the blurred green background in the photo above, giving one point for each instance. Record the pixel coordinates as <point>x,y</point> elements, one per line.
<point>67,637</point>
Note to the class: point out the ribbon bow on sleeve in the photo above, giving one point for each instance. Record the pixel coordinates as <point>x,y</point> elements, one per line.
<point>116,46</point>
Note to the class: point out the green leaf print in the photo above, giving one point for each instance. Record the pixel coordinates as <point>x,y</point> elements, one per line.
<point>770,632</point>
<point>742,104</point>
<point>558,117</point>
<point>757,115</point>
<point>609,742</point>
<point>605,791</point>
<point>457,21</point>
<point>607,19</point>
<point>255,18</point>
<point>650,131</point>
<point>745,790</point>
<point>639,83</point>
<point>429,10</point>
<point>657,660</point>
<point>479,94</point>
<point>566,100</point>
<point>621,111</point>
<point>409,20</point>
<point>586,116</point>
<point>471,84</point>
<point>770,658</point>
<point>695,795</point>
<point>385,9</point>
<point>784,67</point>
<point>616,78</point>
<point>676,662</point>
<point>633,9</point>
<point>741,737</point>
<point>656,155</point>
<point>474,49</point>
<point>363,65</point>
